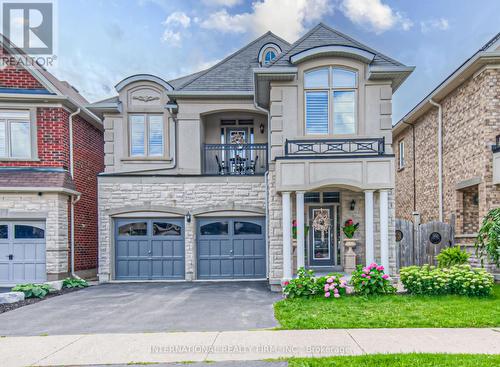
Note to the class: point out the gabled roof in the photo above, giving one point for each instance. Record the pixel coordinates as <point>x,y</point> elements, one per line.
<point>489,53</point>
<point>323,35</point>
<point>235,72</point>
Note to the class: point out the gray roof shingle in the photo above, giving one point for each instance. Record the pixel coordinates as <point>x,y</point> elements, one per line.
<point>32,177</point>
<point>323,35</point>
<point>235,72</point>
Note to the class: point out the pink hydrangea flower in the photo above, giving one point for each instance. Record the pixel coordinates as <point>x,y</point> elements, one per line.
<point>335,291</point>
<point>342,285</point>
<point>368,277</point>
<point>385,276</point>
<point>363,275</point>
<point>380,268</point>
<point>332,286</point>
<point>329,280</point>
<point>348,290</point>
<point>327,287</point>
<point>336,295</point>
<point>373,265</point>
<point>327,294</point>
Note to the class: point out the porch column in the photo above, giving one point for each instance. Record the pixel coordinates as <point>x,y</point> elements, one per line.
<point>287,236</point>
<point>369,246</point>
<point>384,229</point>
<point>301,262</point>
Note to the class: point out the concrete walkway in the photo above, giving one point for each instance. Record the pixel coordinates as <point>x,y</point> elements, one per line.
<point>100,349</point>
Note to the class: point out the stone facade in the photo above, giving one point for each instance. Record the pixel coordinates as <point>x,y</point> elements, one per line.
<point>173,197</point>
<point>51,207</point>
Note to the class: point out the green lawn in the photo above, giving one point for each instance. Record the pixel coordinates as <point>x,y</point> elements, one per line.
<point>401,360</point>
<point>393,311</point>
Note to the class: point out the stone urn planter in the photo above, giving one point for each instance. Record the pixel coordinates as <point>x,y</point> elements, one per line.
<point>349,255</point>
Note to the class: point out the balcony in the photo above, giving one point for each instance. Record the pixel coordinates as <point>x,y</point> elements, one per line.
<point>332,148</point>
<point>235,159</point>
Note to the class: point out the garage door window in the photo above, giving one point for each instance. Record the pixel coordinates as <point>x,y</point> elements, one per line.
<point>166,229</point>
<point>215,229</point>
<point>4,231</point>
<point>243,228</point>
<point>133,229</point>
<point>28,232</point>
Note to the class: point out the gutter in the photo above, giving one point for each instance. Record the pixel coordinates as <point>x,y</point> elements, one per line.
<point>440,156</point>
<point>74,199</point>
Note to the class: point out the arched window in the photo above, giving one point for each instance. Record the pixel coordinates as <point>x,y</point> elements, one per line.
<point>330,101</point>
<point>270,56</point>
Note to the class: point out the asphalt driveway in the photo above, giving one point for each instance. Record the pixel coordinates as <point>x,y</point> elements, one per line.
<point>147,307</point>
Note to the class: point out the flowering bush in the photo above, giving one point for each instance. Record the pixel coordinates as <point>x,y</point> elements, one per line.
<point>304,285</point>
<point>458,279</point>
<point>333,285</point>
<point>350,228</point>
<point>371,280</point>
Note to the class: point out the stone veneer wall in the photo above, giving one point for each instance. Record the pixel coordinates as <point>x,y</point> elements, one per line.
<point>116,193</point>
<point>53,208</point>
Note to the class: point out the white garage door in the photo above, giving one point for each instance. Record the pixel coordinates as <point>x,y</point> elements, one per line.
<point>22,252</point>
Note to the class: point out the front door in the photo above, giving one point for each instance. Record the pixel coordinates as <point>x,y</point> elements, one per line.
<point>322,244</point>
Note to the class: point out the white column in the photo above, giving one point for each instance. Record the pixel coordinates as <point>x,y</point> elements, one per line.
<point>369,245</point>
<point>300,229</point>
<point>384,229</point>
<point>287,236</point>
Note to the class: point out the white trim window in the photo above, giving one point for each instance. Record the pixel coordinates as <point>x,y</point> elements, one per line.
<point>147,135</point>
<point>15,134</point>
<point>330,101</point>
<point>401,154</point>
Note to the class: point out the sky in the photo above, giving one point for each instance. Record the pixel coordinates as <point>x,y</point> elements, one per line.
<point>100,42</point>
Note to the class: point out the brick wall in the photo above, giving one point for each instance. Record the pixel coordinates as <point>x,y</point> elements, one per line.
<point>89,162</point>
<point>13,77</point>
<point>471,120</point>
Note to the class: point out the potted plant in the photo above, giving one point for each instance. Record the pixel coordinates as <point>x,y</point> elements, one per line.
<point>349,230</point>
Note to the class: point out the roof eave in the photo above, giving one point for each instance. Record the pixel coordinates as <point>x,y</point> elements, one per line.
<point>210,94</point>
<point>452,82</point>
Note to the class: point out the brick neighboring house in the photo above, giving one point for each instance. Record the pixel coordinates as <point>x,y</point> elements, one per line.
<point>40,177</point>
<point>469,100</point>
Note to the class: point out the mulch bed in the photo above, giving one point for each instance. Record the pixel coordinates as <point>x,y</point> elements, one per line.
<point>6,307</point>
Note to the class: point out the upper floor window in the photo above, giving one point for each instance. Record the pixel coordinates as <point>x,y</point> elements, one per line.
<point>15,134</point>
<point>146,135</point>
<point>268,53</point>
<point>270,56</point>
<point>401,154</point>
<point>330,101</point>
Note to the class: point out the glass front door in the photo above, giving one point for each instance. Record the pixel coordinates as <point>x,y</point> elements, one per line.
<point>323,246</point>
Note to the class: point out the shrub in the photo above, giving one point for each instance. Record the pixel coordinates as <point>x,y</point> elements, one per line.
<point>488,238</point>
<point>371,280</point>
<point>75,283</point>
<point>452,256</point>
<point>458,279</point>
<point>424,280</point>
<point>302,286</point>
<point>333,285</point>
<point>32,290</point>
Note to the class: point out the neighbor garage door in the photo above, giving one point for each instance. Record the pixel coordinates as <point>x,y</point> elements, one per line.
<point>149,249</point>
<point>231,248</point>
<point>22,252</point>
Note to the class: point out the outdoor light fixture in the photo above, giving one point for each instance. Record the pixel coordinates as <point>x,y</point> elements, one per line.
<point>188,217</point>
<point>262,128</point>
<point>353,204</point>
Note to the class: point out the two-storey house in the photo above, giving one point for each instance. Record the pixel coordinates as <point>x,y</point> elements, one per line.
<point>448,146</point>
<point>51,150</point>
<point>249,169</point>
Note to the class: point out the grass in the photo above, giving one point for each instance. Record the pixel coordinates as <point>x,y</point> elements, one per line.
<point>392,311</point>
<point>401,360</point>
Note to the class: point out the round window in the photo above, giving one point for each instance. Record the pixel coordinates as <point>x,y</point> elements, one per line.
<point>435,238</point>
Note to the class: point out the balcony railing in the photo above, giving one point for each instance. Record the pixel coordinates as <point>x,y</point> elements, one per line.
<point>235,159</point>
<point>496,146</point>
<point>335,147</point>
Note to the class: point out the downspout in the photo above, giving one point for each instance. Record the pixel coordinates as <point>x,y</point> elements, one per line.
<point>440,156</point>
<point>74,199</point>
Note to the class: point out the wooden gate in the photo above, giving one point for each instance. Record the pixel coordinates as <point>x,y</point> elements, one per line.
<point>419,244</point>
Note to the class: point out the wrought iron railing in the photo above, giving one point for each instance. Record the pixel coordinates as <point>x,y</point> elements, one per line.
<point>335,147</point>
<point>235,159</point>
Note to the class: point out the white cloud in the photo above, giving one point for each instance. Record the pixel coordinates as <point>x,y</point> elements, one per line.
<point>287,19</point>
<point>440,24</point>
<point>178,18</point>
<point>171,37</point>
<point>378,16</point>
<point>226,3</point>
